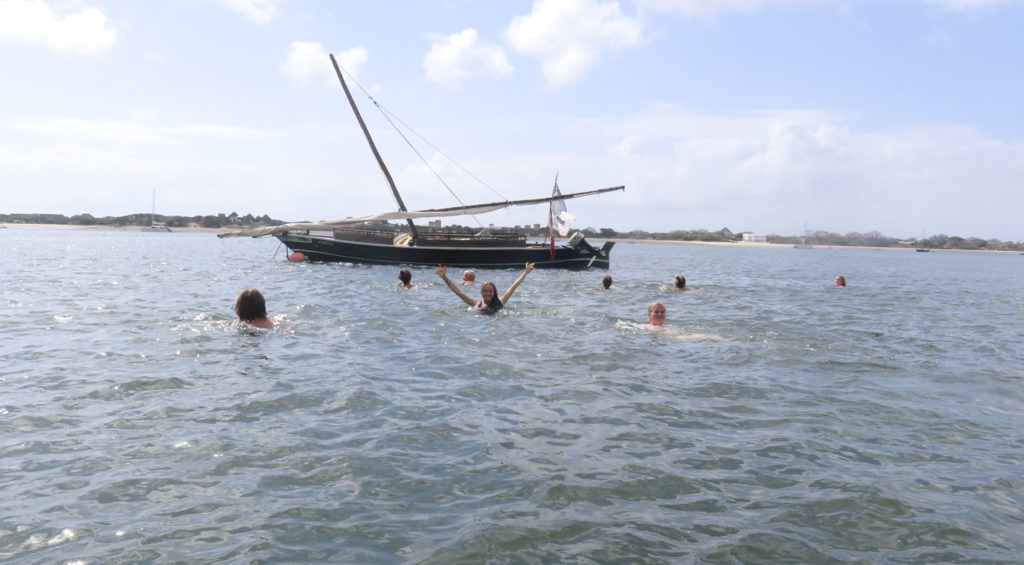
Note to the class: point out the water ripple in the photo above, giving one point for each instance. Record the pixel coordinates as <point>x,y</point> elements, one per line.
<point>875,424</point>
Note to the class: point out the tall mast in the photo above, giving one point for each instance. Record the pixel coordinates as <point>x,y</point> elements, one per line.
<point>373,147</point>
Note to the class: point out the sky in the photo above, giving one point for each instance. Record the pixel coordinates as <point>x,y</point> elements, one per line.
<point>902,117</point>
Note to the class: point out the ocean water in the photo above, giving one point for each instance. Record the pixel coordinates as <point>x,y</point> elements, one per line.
<point>880,423</point>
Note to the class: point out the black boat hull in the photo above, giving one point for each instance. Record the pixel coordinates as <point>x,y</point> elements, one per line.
<point>578,254</point>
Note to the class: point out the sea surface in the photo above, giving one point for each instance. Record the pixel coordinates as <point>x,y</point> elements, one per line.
<point>880,423</point>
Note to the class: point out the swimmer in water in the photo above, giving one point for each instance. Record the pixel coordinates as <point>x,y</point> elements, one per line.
<point>252,309</point>
<point>606,283</point>
<point>405,275</point>
<point>681,283</point>
<point>490,302</point>
<point>656,320</point>
<point>468,278</point>
<point>840,280</point>
<point>656,314</point>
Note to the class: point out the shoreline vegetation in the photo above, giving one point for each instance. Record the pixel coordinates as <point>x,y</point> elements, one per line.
<point>824,239</point>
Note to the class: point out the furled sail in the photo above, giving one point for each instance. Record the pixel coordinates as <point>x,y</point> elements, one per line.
<point>399,215</point>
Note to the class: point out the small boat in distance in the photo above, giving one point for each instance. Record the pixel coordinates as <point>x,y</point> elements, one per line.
<point>921,246</point>
<point>156,226</point>
<point>803,240</point>
<point>153,225</point>
<point>371,239</point>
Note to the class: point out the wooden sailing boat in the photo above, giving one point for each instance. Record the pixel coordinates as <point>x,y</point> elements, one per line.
<point>355,240</point>
<point>155,226</point>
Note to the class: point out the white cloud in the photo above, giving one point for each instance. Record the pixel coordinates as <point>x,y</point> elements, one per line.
<point>259,11</point>
<point>569,36</point>
<point>774,171</point>
<point>459,56</point>
<point>84,32</point>
<point>626,147</point>
<point>351,60</point>
<point>309,61</point>
<point>708,7</point>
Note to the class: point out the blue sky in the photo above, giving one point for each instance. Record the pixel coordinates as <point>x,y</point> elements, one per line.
<point>897,116</point>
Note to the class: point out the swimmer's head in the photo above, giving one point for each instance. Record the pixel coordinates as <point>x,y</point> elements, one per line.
<point>250,305</point>
<point>656,313</point>
<point>489,294</point>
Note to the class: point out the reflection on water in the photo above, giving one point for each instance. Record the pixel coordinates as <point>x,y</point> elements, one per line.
<point>876,423</point>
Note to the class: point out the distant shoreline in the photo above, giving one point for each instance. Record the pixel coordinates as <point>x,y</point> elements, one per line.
<point>617,240</point>
<point>113,228</point>
<point>790,246</point>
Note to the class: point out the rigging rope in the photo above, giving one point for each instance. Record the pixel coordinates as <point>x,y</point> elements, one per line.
<point>388,115</point>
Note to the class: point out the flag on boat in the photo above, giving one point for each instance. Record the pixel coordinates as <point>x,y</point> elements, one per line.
<point>562,218</point>
<point>559,218</point>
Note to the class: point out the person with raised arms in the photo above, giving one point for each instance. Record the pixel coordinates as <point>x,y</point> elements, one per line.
<point>490,302</point>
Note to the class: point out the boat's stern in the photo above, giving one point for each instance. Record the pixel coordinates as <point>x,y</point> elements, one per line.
<point>598,258</point>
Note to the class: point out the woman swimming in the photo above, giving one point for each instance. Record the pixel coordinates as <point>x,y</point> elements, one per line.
<point>252,309</point>
<point>656,320</point>
<point>490,302</point>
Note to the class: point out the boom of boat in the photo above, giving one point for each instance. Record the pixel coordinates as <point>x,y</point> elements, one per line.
<point>470,209</point>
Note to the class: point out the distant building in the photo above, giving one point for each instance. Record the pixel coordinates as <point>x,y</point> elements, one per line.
<point>755,238</point>
<point>434,223</point>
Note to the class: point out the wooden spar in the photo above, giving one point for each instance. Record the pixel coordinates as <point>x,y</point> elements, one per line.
<point>526,202</point>
<point>431,213</point>
<point>373,147</point>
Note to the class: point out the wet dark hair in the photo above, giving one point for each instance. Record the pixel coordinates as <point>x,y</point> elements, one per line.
<point>607,281</point>
<point>250,305</point>
<point>492,308</point>
<point>405,276</point>
<point>680,281</point>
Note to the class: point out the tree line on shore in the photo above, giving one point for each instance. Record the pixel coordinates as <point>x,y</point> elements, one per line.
<point>218,221</point>
<point>819,238</point>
